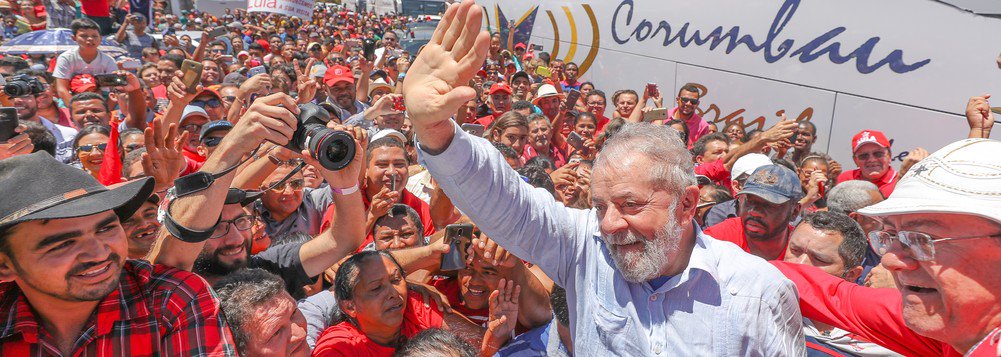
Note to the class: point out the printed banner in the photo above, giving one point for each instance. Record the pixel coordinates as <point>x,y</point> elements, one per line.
<point>302,9</point>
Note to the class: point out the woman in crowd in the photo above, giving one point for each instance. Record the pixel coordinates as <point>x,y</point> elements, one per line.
<point>735,131</point>
<point>510,129</point>
<point>814,180</point>
<point>625,101</point>
<point>89,146</point>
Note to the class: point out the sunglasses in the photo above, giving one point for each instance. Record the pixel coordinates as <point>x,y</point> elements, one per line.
<point>296,185</point>
<point>211,103</point>
<point>132,147</point>
<point>212,142</point>
<point>689,100</point>
<point>877,155</point>
<point>89,148</point>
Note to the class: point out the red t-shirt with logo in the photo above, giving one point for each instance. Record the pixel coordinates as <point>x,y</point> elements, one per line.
<point>732,230</point>
<point>344,339</point>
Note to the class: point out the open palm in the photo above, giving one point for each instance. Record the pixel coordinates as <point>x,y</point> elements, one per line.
<point>438,80</point>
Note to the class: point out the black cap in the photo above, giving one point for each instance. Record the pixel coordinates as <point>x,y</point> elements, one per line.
<point>36,186</point>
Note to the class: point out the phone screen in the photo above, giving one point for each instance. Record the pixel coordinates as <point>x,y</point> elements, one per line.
<point>576,141</point>
<point>572,98</point>
<point>8,123</point>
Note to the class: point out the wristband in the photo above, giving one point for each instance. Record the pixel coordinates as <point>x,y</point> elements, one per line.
<point>184,233</point>
<point>345,191</point>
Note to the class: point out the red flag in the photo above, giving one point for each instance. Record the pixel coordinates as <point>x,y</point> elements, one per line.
<point>111,167</point>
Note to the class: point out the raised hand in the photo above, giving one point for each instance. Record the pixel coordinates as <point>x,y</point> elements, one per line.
<point>307,85</point>
<point>912,158</point>
<point>783,130</point>
<point>260,84</point>
<point>503,318</point>
<point>979,116</point>
<point>270,118</point>
<point>491,252</point>
<point>177,91</point>
<point>437,82</point>
<point>382,202</point>
<point>18,145</point>
<point>348,176</point>
<point>164,158</point>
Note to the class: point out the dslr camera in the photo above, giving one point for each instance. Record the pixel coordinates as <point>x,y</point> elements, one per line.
<point>334,149</point>
<point>22,84</point>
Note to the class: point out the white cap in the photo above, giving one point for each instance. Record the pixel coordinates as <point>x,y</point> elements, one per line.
<point>964,178</point>
<point>747,164</point>
<point>390,133</point>
<point>545,91</point>
<point>190,110</point>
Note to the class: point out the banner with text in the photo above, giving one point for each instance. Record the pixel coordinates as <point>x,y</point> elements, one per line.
<point>302,9</point>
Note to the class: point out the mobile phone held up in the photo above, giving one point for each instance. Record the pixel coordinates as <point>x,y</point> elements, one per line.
<point>572,97</point>
<point>192,75</point>
<point>576,141</point>
<point>110,80</point>
<point>458,237</point>
<point>473,129</point>
<point>218,31</point>
<point>543,71</point>
<point>8,123</point>
<point>253,71</point>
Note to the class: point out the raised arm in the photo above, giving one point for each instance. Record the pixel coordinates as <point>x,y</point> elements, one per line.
<point>525,220</point>
<point>979,117</point>
<point>200,211</point>
<point>783,130</point>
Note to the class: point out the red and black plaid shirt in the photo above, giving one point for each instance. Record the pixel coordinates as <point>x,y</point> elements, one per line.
<point>156,310</point>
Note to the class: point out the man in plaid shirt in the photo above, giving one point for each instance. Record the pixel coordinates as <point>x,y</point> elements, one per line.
<point>68,289</point>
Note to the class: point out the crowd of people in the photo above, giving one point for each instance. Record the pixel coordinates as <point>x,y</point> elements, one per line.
<point>485,201</point>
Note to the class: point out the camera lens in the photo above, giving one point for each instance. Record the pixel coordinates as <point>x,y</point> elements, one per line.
<point>17,89</point>
<point>334,149</point>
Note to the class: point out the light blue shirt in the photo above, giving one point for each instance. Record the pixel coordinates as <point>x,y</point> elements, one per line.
<point>724,303</point>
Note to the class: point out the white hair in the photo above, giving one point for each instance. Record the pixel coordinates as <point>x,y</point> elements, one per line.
<point>671,163</point>
<point>851,196</point>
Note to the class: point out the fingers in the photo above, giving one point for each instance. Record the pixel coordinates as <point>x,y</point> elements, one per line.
<point>443,24</point>
<point>456,27</point>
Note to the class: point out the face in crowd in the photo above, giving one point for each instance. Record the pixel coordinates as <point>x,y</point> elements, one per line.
<point>285,198</point>
<point>383,163</point>
<point>687,101</point>
<point>873,160</point>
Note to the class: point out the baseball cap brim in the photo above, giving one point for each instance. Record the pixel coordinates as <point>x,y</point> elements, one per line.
<point>124,200</point>
<point>767,195</point>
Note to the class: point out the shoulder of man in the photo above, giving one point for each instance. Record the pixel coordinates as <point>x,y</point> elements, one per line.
<point>743,274</point>
<point>174,283</point>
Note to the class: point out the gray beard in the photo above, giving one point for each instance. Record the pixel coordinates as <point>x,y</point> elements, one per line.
<point>638,267</point>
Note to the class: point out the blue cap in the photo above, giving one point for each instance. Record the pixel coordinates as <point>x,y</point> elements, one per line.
<point>774,183</point>
<point>214,126</point>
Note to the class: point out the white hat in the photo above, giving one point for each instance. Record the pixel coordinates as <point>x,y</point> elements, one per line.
<point>964,177</point>
<point>378,83</point>
<point>192,110</point>
<point>747,164</point>
<point>545,91</point>
<point>390,133</point>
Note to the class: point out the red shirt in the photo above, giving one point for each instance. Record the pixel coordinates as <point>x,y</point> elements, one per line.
<point>732,230</point>
<point>486,121</point>
<point>600,126</point>
<point>159,91</point>
<point>344,339</point>
<point>886,183</point>
<point>156,310</point>
<point>554,153</point>
<point>422,208</point>
<point>192,162</point>
<point>874,314</point>
<point>716,172</point>
<point>96,8</point>
<point>450,287</point>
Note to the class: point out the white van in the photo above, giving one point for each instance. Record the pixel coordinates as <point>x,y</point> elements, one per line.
<point>905,67</point>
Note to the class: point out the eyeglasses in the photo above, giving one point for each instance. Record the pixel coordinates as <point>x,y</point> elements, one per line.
<point>241,223</point>
<point>130,147</point>
<point>877,155</point>
<point>217,50</point>
<point>337,60</point>
<point>921,245</point>
<point>89,148</point>
<point>211,103</point>
<point>192,128</point>
<point>296,185</point>
<point>689,100</point>
<point>212,142</point>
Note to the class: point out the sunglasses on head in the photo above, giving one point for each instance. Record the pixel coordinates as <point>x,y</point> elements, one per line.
<point>89,148</point>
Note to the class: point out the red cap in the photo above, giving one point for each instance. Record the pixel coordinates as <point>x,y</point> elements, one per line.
<point>519,44</point>
<point>83,83</point>
<point>337,74</point>
<point>209,91</point>
<point>500,87</point>
<point>265,44</point>
<point>869,136</point>
<point>481,73</point>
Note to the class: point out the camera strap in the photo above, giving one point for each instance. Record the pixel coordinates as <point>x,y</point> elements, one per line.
<point>199,181</point>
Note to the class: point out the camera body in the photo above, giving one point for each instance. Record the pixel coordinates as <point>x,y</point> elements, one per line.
<point>334,149</point>
<point>22,84</point>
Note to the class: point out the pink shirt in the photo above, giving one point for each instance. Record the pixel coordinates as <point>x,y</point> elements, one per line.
<point>696,126</point>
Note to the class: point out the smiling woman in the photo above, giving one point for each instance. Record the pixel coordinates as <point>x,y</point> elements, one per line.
<point>89,147</point>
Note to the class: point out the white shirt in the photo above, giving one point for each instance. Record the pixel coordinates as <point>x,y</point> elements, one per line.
<point>726,302</point>
<point>70,64</point>
<point>64,139</point>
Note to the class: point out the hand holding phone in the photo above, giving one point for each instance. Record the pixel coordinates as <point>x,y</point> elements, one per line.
<point>543,71</point>
<point>473,129</point>
<point>576,141</point>
<point>110,80</point>
<point>458,237</point>
<point>8,123</point>
<point>192,75</point>
<point>218,31</point>
<point>572,97</point>
<point>256,70</point>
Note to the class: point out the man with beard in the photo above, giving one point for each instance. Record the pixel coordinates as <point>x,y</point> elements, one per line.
<point>341,92</point>
<point>540,135</point>
<point>766,205</point>
<point>639,244</point>
<point>27,110</point>
<point>215,230</point>
<point>68,288</point>
<point>688,102</point>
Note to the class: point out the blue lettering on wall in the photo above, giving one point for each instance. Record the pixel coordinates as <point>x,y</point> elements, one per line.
<point>821,46</point>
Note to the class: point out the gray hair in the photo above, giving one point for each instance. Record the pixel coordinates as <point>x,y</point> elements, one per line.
<point>436,342</point>
<point>240,294</point>
<point>672,169</point>
<point>850,196</point>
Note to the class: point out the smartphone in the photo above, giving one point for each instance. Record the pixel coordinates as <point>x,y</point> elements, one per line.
<point>369,49</point>
<point>543,71</point>
<point>398,104</point>
<point>576,141</point>
<point>226,58</point>
<point>473,129</point>
<point>131,64</point>
<point>651,88</point>
<point>574,160</point>
<point>8,123</point>
<point>392,183</point>
<point>458,237</point>
<point>572,98</point>
<point>110,80</point>
<point>537,48</point>
<point>218,31</point>
<point>655,114</point>
<point>820,188</point>
<point>256,70</point>
<point>192,75</point>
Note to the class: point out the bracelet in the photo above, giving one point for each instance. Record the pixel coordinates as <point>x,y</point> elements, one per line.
<point>345,191</point>
<point>183,233</point>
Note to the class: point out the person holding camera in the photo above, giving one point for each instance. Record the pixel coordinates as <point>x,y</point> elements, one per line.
<point>23,91</point>
<point>132,35</point>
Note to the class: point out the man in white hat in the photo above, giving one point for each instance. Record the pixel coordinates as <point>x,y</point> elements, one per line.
<point>940,238</point>
<point>548,100</point>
